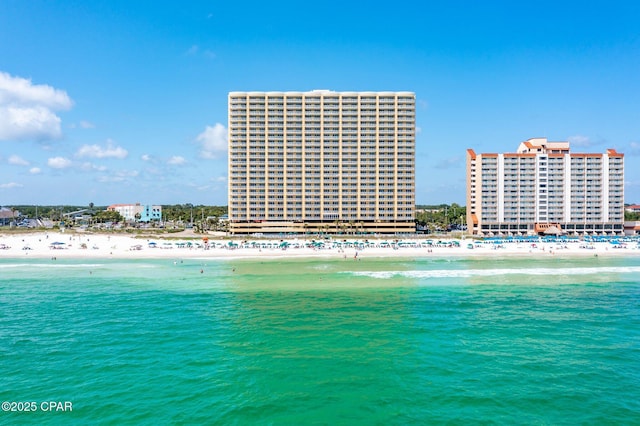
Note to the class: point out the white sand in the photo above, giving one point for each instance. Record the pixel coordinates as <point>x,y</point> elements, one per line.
<point>122,246</point>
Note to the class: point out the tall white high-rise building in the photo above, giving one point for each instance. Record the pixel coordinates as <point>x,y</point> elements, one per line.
<point>321,161</point>
<point>543,185</point>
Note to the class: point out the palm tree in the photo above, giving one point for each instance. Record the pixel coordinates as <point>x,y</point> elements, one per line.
<point>343,225</point>
<point>351,226</point>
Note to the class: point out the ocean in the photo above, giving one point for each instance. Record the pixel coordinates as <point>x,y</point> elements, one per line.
<point>545,341</point>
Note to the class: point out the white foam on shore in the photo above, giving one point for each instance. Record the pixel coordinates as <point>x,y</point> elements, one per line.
<point>55,265</point>
<point>458,273</point>
<point>50,265</point>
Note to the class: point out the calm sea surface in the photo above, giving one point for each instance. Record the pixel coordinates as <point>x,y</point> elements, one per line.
<point>376,341</point>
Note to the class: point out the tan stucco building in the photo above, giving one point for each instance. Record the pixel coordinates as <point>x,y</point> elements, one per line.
<point>321,161</point>
<point>544,185</point>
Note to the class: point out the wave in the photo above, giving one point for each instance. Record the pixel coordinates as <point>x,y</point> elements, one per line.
<point>468,273</point>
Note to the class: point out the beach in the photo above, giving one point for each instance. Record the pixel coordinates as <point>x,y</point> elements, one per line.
<point>79,245</point>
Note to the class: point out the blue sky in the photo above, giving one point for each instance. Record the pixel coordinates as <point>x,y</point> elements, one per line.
<point>126,101</point>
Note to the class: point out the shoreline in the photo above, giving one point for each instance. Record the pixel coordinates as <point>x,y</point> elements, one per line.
<point>74,246</point>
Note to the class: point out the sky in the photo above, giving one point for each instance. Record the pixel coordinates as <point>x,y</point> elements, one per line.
<point>114,101</point>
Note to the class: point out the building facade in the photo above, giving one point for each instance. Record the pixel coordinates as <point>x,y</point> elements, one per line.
<point>8,216</point>
<point>633,208</point>
<point>544,185</point>
<point>137,212</point>
<point>321,161</point>
<point>632,228</point>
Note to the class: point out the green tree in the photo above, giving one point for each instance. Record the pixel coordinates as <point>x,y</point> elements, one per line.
<point>440,216</point>
<point>631,216</point>
<point>104,216</point>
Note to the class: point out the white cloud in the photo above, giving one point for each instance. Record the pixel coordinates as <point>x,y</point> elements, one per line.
<point>221,179</point>
<point>110,179</point>
<point>87,166</point>
<point>17,90</point>
<point>96,151</point>
<point>24,123</point>
<point>145,157</point>
<point>10,185</point>
<point>177,160</point>
<point>59,162</point>
<point>17,161</point>
<point>128,173</point>
<point>35,170</point>
<point>26,110</point>
<point>213,141</point>
<point>120,176</point>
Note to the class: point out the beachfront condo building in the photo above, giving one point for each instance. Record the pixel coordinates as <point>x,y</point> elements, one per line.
<point>545,188</point>
<point>321,161</point>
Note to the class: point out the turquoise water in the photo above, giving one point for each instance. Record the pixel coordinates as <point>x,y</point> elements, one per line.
<point>533,341</point>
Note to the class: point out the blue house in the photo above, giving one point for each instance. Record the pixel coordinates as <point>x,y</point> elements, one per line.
<point>150,213</point>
